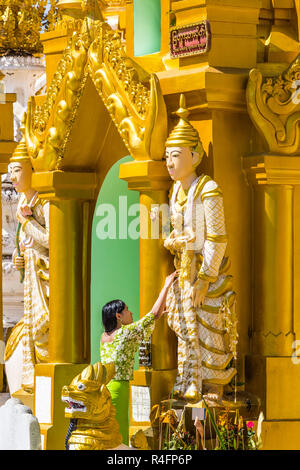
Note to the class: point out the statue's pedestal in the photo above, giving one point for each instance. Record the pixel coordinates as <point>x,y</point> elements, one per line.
<point>147,389</point>
<point>247,405</point>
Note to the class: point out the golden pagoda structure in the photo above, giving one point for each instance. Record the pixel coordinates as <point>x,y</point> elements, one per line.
<point>105,101</point>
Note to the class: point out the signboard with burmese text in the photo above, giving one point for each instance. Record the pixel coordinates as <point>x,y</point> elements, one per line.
<point>190,40</point>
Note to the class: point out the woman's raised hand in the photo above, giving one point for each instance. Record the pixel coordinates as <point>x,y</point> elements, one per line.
<point>170,279</point>
<point>160,303</point>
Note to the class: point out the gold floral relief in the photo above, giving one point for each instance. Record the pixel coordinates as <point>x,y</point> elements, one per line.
<point>274,107</point>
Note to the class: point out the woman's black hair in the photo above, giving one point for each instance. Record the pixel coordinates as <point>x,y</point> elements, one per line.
<point>109,312</point>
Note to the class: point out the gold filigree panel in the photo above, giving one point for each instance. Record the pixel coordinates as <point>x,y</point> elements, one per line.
<point>47,127</point>
<point>132,97</point>
<point>274,107</point>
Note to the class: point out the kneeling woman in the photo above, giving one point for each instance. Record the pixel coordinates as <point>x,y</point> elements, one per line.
<point>119,343</point>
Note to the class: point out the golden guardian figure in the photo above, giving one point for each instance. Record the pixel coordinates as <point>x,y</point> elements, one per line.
<point>28,343</point>
<point>200,301</point>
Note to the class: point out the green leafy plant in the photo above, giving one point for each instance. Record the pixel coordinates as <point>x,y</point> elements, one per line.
<point>237,434</point>
<point>180,441</point>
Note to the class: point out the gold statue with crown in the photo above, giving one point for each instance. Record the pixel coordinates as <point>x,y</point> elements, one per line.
<point>28,342</point>
<point>200,303</point>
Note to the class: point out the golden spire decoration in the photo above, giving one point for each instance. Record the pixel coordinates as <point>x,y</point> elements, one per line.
<point>184,134</point>
<point>21,22</point>
<point>20,153</point>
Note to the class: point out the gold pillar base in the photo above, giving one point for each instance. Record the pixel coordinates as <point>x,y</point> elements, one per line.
<point>158,385</point>
<point>48,407</point>
<point>281,435</point>
<point>276,381</point>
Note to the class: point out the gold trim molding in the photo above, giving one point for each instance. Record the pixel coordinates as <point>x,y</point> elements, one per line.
<point>272,169</point>
<point>65,185</point>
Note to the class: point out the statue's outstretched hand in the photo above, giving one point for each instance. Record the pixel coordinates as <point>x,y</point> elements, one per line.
<point>198,292</point>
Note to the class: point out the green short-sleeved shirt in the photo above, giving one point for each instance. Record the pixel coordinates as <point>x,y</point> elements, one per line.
<point>122,349</point>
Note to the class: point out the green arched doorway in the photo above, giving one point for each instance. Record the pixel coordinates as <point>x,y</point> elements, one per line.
<point>115,257</point>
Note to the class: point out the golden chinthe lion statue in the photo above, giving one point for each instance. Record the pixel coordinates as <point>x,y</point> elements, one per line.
<point>93,424</point>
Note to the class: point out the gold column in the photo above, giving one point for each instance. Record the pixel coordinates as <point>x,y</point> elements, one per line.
<point>155,265</point>
<point>273,179</point>
<point>271,372</point>
<point>273,270</point>
<point>69,248</point>
<point>152,180</point>
<point>70,196</point>
<point>7,146</point>
<point>67,330</point>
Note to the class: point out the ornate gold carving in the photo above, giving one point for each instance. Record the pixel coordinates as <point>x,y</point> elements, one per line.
<point>48,126</point>
<point>131,95</point>
<point>274,107</point>
<point>70,25</point>
<point>71,16</point>
<point>21,22</point>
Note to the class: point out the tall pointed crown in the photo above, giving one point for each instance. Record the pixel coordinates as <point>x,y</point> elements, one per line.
<point>184,134</point>
<point>20,153</point>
